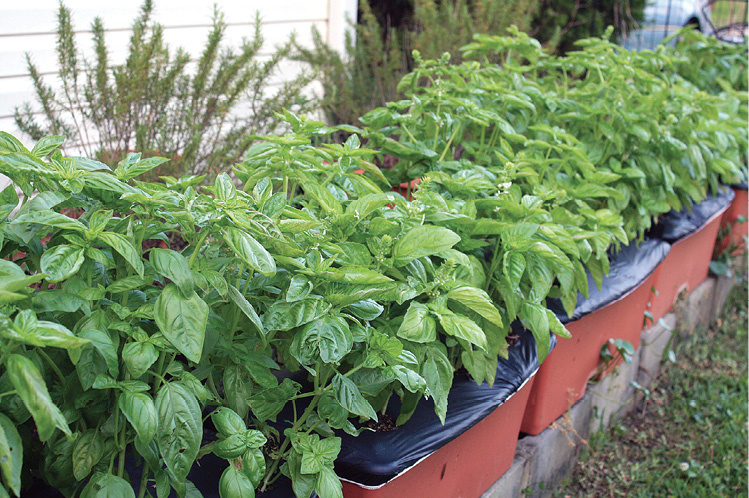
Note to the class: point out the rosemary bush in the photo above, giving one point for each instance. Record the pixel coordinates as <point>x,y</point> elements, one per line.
<point>155,102</point>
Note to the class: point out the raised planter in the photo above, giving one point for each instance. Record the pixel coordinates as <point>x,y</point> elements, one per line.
<point>692,237</point>
<point>615,311</point>
<point>462,458</point>
<point>738,208</point>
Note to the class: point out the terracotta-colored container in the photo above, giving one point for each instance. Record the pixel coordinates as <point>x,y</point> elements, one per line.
<point>406,189</point>
<point>685,267</point>
<point>466,466</point>
<point>739,207</point>
<point>562,378</point>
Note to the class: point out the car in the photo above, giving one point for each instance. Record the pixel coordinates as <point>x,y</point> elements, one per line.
<point>663,17</point>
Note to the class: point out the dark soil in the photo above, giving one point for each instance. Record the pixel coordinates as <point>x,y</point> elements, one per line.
<point>385,423</point>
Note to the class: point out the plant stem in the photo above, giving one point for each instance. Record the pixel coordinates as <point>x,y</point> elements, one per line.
<point>52,365</point>
<point>194,255</point>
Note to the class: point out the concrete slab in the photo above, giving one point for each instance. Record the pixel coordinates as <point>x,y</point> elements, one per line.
<point>612,397</point>
<point>653,346</point>
<point>695,311</point>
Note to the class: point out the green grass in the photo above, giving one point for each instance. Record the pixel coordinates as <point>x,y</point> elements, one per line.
<point>690,437</point>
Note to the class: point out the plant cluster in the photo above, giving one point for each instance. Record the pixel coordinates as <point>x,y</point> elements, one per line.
<point>375,60</point>
<point>155,102</point>
<point>306,294</point>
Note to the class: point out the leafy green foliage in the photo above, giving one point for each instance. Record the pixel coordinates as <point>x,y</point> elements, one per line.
<point>307,294</point>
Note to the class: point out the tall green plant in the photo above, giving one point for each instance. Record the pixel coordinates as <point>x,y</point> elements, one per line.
<point>154,102</point>
<point>378,56</point>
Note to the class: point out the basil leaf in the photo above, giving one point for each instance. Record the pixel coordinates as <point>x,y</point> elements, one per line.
<point>182,321</point>
<point>175,267</point>
<point>328,484</point>
<point>423,240</point>
<point>350,398</point>
<point>249,250</point>
<point>462,327</point>
<point>246,307</point>
<point>139,356</point>
<point>326,339</point>
<point>104,344</point>
<point>478,301</point>
<point>299,288</point>
<point>180,428</point>
<point>285,316</point>
<point>31,388</point>
<point>227,421</point>
<point>124,247</point>
<point>61,262</point>
<point>87,452</point>
<point>140,411</point>
<point>107,486</point>
<point>534,318</point>
<point>11,455</point>
<point>418,324</point>
<point>235,484</point>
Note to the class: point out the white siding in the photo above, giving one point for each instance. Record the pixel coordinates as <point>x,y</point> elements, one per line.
<point>29,27</point>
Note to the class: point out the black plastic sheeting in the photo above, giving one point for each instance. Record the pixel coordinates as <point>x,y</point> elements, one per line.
<point>374,458</point>
<point>676,225</point>
<point>629,267</point>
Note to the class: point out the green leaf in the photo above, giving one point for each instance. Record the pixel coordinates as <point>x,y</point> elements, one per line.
<point>51,219</point>
<point>286,316</point>
<point>355,275</point>
<point>227,422</point>
<point>246,307</point>
<point>56,335</point>
<point>124,247</point>
<point>11,455</point>
<point>269,403</point>
<point>462,327</point>
<point>423,240</point>
<point>478,301</point>
<point>175,267</point>
<point>418,325</point>
<point>107,486</point>
<point>249,250</point>
<point>180,428</point>
<point>224,188</point>
<point>139,356</point>
<point>129,169</point>
<point>348,395</point>
<point>513,264</point>
<point>534,318</point>
<point>299,288</point>
<point>31,388</point>
<point>438,373</point>
<point>324,198</point>
<point>327,339</point>
<point>182,321</point>
<point>47,145</point>
<point>104,344</point>
<point>253,465</point>
<point>62,262</point>
<point>8,201</point>
<point>235,484</point>
<point>88,450</point>
<point>140,411</point>
<point>319,454</point>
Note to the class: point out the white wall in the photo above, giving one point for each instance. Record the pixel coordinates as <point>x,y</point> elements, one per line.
<point>29,27</point>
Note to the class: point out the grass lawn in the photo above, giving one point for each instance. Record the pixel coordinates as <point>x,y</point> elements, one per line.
<point>689,439</point>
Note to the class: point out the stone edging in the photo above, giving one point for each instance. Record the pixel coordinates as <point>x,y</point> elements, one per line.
<point>542,462</point>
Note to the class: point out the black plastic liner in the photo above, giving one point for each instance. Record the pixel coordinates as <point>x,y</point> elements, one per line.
<point>629,267</point>
<point>374,458</point>
<point>676,225</point>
